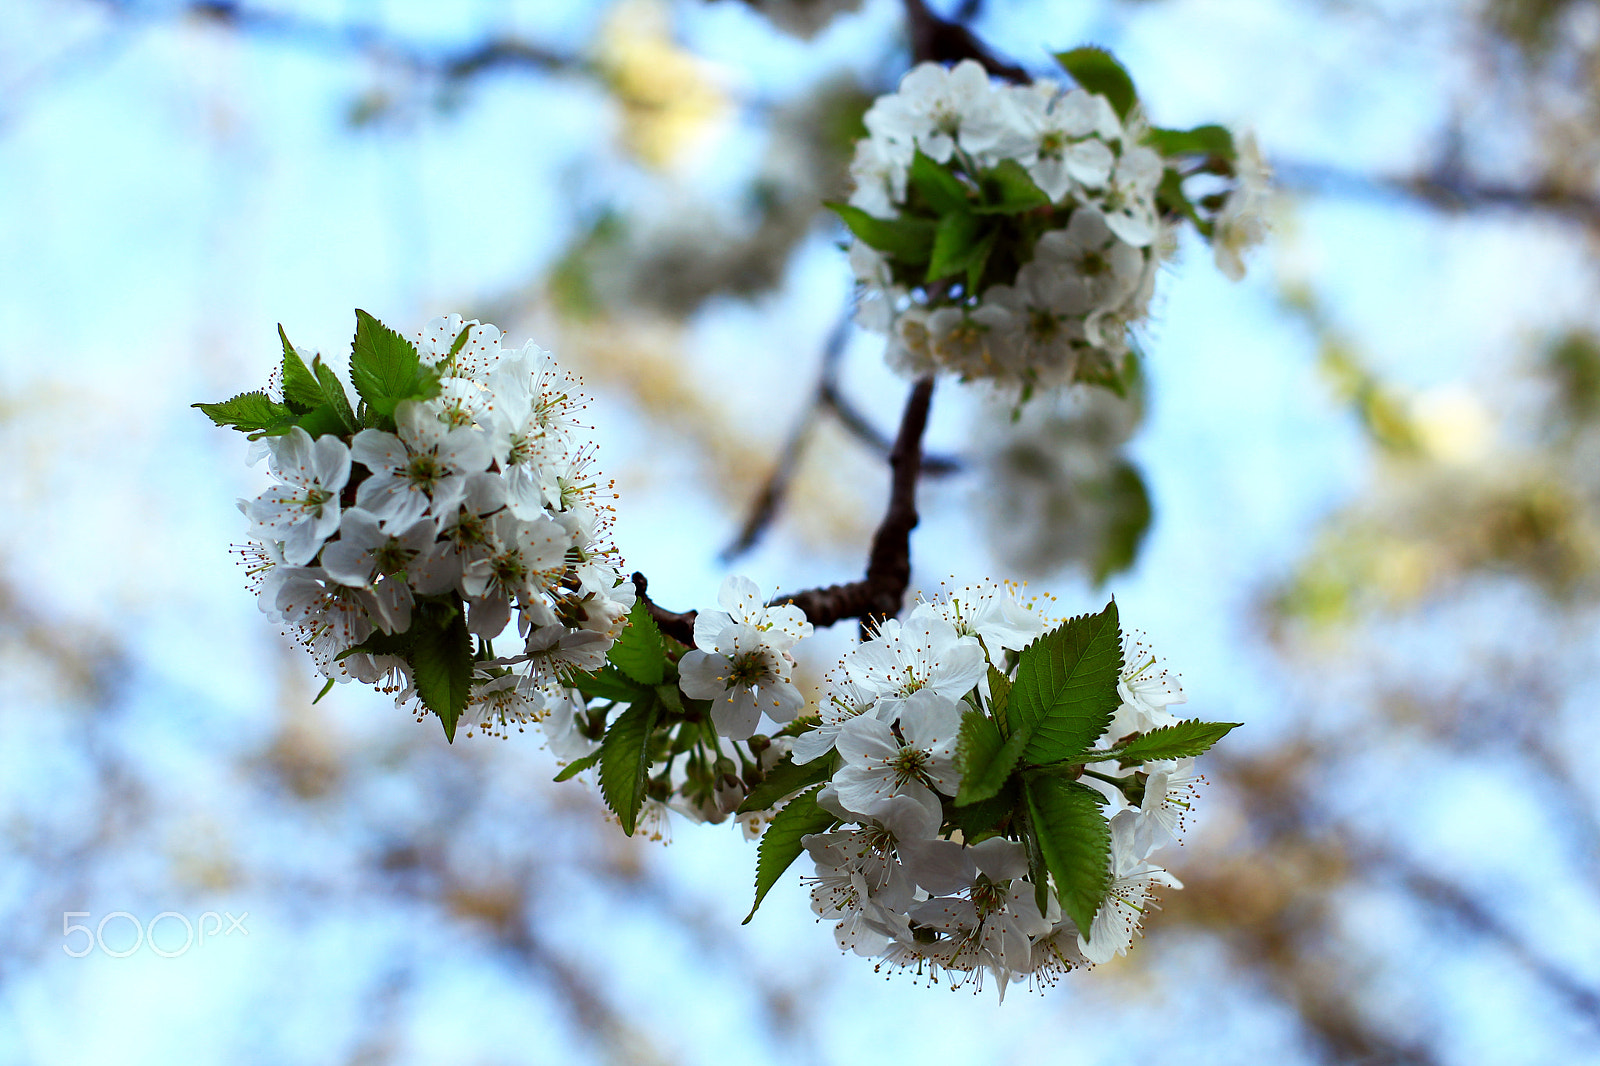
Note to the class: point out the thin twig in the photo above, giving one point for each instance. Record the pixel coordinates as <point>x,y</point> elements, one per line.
<point>830,399</point>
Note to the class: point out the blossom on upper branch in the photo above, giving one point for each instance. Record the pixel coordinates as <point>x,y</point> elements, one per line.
<point>1015,230</point>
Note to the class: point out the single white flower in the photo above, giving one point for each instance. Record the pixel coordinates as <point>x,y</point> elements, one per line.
<point>1131,895</point>
<point>922,653</point>
<point>1242,222</point>
<point>912,756</point>
<point>303,511</point>
<point>478,352</point>
<point>742,675</point>
<point>425,466</point>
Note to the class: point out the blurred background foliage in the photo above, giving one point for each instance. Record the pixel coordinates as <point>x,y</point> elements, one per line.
<point>1388,564</point>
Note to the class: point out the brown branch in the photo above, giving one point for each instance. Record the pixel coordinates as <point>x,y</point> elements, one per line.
<point>877,595</point>
<point>880,592</point>
<point>680,627</point>
<point>828,398</point>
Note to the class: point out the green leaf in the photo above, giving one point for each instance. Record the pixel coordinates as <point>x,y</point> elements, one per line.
<point>254,413</point>
<point>638,651</point>
<point>1074,841</point>
<point>955,244</point>
<point>578,766</point>
<point>908,240</point>
<point>786,777</point>
<point>300,390</point>
<point>1171,198</point>
<point>985,758</point>
<point>385,368</point>
<point>441,665</point>
<point>333,392</point>
<point>780,844</point>
<point>999,693</point>
<point>625,761</point>
<point>943,190</point>
<point>1126,503</point>
<point>980,259</point>
<point>1202,140</point>
<point>608,683</point>
<point>1184,740</point>
<point>1008,189</point>
<point>326,688</point>
<point>322,420</point>
<point>1038,872</point>
<point>1065,690</point>
<point>1098,71</point>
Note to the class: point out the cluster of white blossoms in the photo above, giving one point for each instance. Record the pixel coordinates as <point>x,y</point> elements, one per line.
<point>482,501</point>
<point>897,876</point>
<point>1062,277</point>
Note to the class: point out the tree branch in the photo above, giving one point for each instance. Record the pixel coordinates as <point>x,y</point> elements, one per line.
<point>880,592</point>
<point>827,398</point>
<point>937,40</point>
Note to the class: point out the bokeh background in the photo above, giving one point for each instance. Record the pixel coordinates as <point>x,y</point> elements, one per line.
<point>1356,502</point>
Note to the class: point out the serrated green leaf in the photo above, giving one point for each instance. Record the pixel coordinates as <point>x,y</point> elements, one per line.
<point>985,758</point>
<point>908,240</point>
<point>1202,140</point>
<point>300,390</point>
<point>578,766</point>
<point>1074,841</point>
<point>253,413</point>
<point>608,683</point>
<point>441,665</point>
<point>784,778</point>
<point>1065,690</point>
<point>1098,71</point>
<point>1184,740</point>
<point>780,844</point>
<point>943,190</point>
<point>1038,872</point>
<point>625,760</point>
<point>333,393</point>
<point>638,652</point>
<point>1008,189</point>
<point>385,368</point>
<point>999,693</point>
